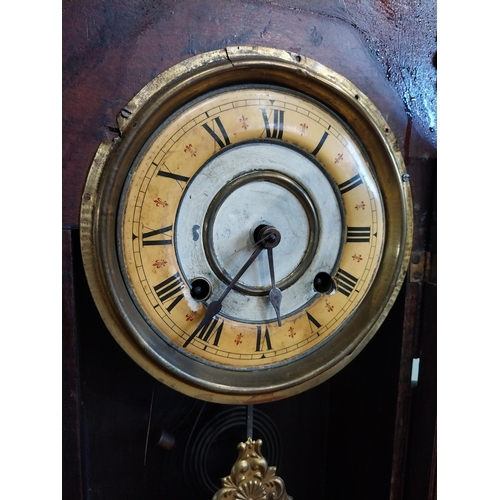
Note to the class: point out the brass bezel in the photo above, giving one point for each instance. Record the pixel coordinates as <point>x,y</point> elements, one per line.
<point>161,97</point>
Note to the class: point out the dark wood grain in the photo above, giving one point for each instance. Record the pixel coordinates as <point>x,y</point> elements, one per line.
<point>112,49</point>
<point>358,435</point>
<point>420,480</point>
<point>423,177</point>
<point>72,487</point>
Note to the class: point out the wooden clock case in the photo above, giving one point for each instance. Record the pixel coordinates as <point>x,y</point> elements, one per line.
<point>367,433</point>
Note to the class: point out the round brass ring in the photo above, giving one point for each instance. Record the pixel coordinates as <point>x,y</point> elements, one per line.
<point>159,99</point>
<point>292,187</point>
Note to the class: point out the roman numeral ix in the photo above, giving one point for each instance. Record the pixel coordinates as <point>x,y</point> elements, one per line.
<point>151,234</point>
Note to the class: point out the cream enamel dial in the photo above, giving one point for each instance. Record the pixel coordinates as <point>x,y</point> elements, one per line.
<point>174,213</point>
<point>213,174</point>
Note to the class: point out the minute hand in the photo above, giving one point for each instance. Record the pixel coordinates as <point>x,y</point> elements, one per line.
<point>216,305</point>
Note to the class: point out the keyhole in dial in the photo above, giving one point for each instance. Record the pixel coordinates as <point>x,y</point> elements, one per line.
<point>200,289</point>
<point>323,283</point>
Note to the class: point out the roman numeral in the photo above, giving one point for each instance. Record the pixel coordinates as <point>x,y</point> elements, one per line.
<point>358,234</point>
<point>262,338</point>
<point>320,144</point>
<point>278,122</point>
<point>170,290</point>
<point>313,320</point>
<point>216,138</point>
<point>345,282</point>
<point>212,328</point>
<point>170,175</point>
<point>152,234</point>
<point>350,184</point>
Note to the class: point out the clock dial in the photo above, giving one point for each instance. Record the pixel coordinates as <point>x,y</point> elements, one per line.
<point>210,176</point>
<point>248,231</point>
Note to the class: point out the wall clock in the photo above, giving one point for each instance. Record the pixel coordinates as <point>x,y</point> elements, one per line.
<point>248,231</point>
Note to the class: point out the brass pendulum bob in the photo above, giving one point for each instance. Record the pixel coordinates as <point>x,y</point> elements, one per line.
<point>251,478</point>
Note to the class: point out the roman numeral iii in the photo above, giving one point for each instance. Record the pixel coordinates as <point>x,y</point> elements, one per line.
<point>358,234</point>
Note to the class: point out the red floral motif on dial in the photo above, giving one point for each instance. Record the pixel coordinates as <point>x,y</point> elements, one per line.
<point>303,128</point>
<point>329,307</point>
<point>243,121</point>
<point>189,149</point>
<point>159,263</point>
<point>160,203</point>
<point>292,332</point>
<point>238,340</point>
<point>339,158</point>
<point>190,316</point>
<point>360,206</point>
<point>357,258</point>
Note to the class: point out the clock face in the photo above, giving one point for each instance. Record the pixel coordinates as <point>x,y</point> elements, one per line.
<point>209,177</point>
<point>248,231</point>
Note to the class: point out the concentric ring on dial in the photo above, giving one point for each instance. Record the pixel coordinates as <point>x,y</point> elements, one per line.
<point>291,192</point>
<point>246,185</point>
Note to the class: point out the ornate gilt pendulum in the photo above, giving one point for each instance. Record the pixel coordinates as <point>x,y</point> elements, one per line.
<point>251,478</point>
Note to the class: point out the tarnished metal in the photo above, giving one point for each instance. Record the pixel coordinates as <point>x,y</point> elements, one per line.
<point>299,193</point>
<point>423,267</point>
<point>166,94</point>
<point>251,477</point>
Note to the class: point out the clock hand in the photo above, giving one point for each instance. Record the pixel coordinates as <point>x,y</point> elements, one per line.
<point>215,306</point>
<point>274,293</point>
<point>273,238</point>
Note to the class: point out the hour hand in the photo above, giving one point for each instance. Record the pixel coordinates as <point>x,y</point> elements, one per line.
<point>275,293</point>
<point>272,237</point>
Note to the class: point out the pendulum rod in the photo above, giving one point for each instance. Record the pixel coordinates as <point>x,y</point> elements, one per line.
<point>250,421</point>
